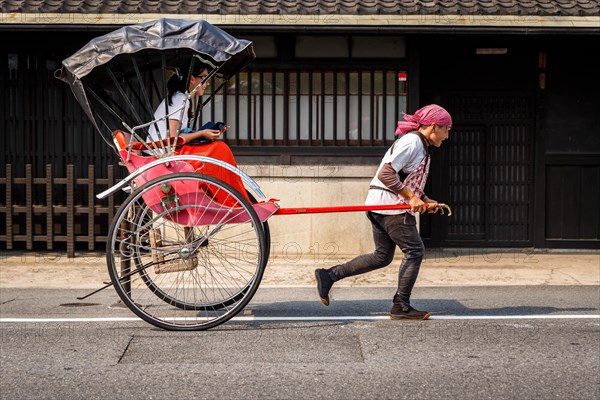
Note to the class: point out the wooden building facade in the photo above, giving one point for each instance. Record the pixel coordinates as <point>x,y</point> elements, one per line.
<point>521,167</point>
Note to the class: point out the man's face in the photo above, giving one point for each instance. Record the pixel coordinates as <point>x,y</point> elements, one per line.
<point>439,134</point>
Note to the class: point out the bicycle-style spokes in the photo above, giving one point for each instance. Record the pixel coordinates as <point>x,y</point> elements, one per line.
<point>198,262</point>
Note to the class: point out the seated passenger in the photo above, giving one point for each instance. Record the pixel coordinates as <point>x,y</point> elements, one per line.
<point>202,142</point>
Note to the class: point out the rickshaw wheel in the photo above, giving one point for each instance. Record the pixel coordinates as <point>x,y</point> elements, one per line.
<point>191,306</point>
<point>186,262</point>
<point>145,216</point>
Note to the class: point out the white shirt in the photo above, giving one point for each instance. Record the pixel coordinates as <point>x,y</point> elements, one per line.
<point>178,100</point>
<point>405,155</point>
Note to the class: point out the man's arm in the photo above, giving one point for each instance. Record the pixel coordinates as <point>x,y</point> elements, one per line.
<point>389,177</point>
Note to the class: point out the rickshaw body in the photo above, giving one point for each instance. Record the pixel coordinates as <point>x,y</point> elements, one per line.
<point>185,250</point>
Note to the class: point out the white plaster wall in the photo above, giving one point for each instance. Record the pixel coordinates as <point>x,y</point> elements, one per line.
<point>322,237</point>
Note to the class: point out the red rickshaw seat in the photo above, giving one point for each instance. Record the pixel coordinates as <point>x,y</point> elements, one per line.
<point>122,141</point>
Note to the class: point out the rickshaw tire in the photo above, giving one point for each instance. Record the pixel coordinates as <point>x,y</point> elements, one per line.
<point>239,300</point>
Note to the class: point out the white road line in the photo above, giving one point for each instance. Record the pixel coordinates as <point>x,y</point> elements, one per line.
<point>31,320</point>
<point>315,318</point>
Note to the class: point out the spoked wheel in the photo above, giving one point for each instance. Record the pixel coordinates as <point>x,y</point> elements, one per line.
<point>154,240</point>
<point>179,259</point>
<point>145,216</point>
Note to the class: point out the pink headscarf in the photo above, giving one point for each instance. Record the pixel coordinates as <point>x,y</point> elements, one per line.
<point>428,115</point>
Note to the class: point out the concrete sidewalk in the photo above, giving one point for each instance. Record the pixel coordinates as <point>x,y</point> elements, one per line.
<point>449,267</point>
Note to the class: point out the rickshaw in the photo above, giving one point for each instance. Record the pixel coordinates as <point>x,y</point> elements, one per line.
<point>185,250</point>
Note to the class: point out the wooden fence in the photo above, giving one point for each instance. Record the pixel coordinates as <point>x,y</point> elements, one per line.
<point>55,212</point>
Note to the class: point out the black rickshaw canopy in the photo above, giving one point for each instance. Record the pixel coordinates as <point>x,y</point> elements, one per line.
<point>117,77</point>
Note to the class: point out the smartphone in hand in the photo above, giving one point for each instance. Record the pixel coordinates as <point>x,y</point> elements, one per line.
<point>224,128</point>
<point>220,126</point>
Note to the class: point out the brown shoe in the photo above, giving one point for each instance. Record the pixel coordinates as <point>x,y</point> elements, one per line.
<point>324,284</point>
<point>412,313</point>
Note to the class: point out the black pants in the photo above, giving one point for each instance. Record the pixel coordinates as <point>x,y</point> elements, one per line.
<point>390,231</point>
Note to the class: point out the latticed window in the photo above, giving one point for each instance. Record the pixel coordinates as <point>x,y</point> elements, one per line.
<point>310,108</point>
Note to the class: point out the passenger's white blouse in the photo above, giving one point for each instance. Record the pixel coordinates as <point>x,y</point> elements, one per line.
<point>178,99</point>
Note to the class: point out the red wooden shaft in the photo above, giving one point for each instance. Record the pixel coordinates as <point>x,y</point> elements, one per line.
<point>332,209</point>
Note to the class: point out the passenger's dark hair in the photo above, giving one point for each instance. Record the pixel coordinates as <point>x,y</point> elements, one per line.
<point>179,80</point>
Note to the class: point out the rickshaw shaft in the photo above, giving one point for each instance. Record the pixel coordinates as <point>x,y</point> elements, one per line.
<point>332,209</point>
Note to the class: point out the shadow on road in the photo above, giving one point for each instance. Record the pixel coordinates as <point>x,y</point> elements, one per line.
<point>382,307</point>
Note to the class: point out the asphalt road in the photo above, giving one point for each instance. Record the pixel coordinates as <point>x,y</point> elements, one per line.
<point>482,343</point>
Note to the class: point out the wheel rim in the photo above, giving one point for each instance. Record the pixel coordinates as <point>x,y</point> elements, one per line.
<point>186,276</point>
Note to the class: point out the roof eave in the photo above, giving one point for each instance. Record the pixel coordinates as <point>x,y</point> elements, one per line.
<point>454,23</point>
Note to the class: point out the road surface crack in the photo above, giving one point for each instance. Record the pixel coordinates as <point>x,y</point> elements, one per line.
<point>125,350</point>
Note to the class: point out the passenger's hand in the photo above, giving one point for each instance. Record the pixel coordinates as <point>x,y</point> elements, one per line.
<point>417,204</point>
<point>210,134</point>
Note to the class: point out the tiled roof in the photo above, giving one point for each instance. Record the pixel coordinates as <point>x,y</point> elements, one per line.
<point>571,8</point>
